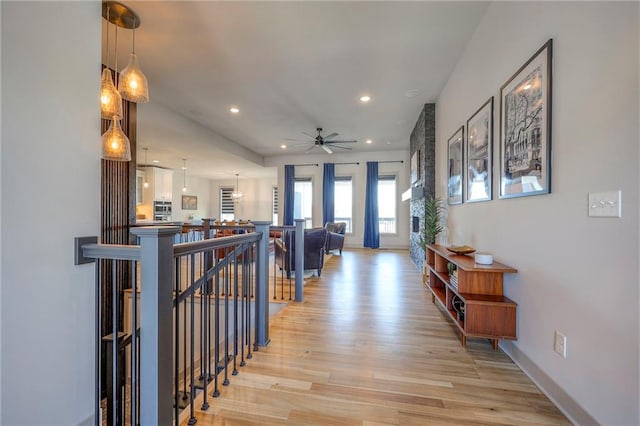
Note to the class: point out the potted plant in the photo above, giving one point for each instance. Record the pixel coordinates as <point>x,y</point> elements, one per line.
<point>432,224</point>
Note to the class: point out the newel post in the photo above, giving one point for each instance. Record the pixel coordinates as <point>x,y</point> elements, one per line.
<point>156,303</point>
<point>299,260</point>
<point>262,284</point>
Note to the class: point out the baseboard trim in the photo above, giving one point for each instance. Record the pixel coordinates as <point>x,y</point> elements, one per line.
<point>569,407</point>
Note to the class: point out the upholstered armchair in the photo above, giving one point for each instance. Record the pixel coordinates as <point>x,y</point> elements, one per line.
<point>314,241</point>
<point>335,236</point>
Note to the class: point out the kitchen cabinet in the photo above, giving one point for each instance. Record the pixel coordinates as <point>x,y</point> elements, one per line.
<point>160,185</point>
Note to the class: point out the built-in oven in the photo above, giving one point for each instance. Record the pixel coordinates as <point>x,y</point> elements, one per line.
<point>162,210</point>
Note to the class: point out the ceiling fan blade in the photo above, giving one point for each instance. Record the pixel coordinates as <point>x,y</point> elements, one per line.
<point>343,141</point>
<point>326,148</point>
<point>309,134</point>
<point>295,139</point>
<point>310,149</point>
<point>331,136</point>
<point>341,147</point>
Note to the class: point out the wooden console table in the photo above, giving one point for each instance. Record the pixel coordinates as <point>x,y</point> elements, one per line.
<point>487,312</point>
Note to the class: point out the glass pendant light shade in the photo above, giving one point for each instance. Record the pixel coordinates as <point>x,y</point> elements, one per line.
<point>236,195</point>
<point>115,144</point>
<point>110,100</point>
<point>133,83</point>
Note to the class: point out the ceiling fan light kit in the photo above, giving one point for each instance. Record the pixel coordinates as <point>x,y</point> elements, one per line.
<point>327,142</point>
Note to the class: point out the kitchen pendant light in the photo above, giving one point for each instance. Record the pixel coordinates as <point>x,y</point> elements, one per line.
<point>115,144</point>
<point>110,100</point>
<point>146,183</point>
<point>184,175</point>
<point>133,83</point>
<point>236,195</point>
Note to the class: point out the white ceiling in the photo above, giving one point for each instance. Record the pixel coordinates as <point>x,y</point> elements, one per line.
<point>293,66</point>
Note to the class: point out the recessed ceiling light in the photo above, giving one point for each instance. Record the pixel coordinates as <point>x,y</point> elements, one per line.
<point>369,141</point>
<point>388,142</point>
<point>156,161</point>
<point>365,98</point>
<point>283,146</point>
<point>234,110</point>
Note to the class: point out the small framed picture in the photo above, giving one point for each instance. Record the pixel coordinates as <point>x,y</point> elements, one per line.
<point>189,202</point>
<point>479,154</point>
<point>525,128</point>
<point>456,172</point>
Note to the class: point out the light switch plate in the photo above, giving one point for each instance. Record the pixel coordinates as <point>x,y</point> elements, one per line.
<point>605,204</point>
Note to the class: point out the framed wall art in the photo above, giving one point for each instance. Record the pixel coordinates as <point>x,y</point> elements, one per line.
<point>189,202</point>
<point>456,172</point>
<point>479,154</point>
<point>525,128</point>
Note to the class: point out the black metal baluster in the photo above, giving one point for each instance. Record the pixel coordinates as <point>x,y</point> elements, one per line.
<point>246,256</point>
<point>227,268</point>
<point>192,345</point>
<point>185,395</point>
<point>216,391</point>
<point>206,334</point>
<point>176,361</point>
<point>235,313</point>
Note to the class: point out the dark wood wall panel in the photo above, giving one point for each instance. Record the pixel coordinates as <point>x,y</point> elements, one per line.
<point>118,212</point>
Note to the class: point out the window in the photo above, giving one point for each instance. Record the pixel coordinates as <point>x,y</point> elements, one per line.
<point>303,205</point>
<point>387,204</point>
<point>343,203</point>
<point>227,207</point>
<point>274,202</point>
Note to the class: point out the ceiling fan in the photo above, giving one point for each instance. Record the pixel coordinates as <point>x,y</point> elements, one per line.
<point>327,142</point>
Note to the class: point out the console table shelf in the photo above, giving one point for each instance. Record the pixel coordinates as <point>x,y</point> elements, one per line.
<point>487,312</point>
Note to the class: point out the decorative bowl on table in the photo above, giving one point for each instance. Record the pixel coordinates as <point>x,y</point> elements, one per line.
<point>461,249</point>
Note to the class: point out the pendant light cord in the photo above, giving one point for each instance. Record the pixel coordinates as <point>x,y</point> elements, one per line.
<point>108,11</point>
<point>134,35</point>
<point>116,53</point>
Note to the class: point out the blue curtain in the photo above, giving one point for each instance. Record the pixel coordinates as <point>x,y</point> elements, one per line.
<point>289,194</point>
<point>328,192</point>
<point>371,226</point>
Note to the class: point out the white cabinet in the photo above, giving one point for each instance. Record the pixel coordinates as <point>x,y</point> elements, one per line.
<point>160,185</point>
<point>163,184</point>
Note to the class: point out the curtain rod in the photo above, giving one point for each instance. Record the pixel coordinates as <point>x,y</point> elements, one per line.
<point>308,164</point>
<point>357,163</point>
<point>396,161</point>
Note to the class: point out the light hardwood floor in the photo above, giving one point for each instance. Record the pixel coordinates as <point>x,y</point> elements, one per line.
<point>367,347</point>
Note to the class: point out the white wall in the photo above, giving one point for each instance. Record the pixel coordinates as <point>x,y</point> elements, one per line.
<point>576,274</point>
<point>51,156</point>
<point>359,173</point>
<point>256,202</point>
<point>200,187</point>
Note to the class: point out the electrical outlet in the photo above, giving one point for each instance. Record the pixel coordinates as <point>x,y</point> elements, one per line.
<point>560,344</point>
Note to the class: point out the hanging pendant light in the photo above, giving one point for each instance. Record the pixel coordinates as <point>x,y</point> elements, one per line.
<point>236,195</point>
<point>110,100</point>
<point>146,183</point>
<point>184,175</point>
<point>133,83</point>
<point>115,144</point>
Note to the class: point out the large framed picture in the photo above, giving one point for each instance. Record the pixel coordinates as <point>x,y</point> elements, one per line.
<point>525,128</point>
<point>189,202</point>
<point>454,156</point>
<point>479,154</point>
